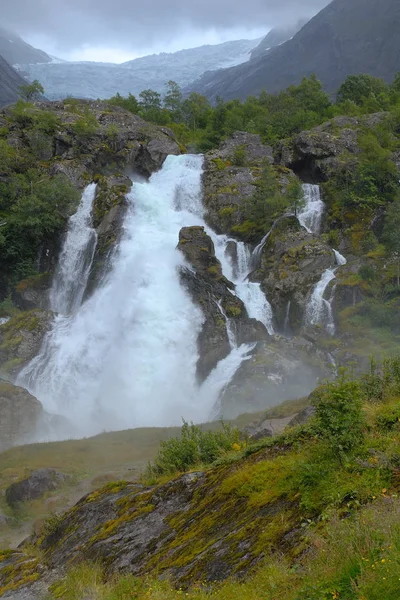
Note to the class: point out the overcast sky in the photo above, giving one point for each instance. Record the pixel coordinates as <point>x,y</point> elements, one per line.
<point>117,30</point>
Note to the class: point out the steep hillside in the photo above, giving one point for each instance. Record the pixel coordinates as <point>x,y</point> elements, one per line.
<point>276,37</point>
<point>345,38</point>
<point>10,81</point>
<point>100,80</point>
<point>16,51</point>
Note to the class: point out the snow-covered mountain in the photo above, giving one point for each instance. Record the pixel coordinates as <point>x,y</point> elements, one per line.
<point>103,80</point>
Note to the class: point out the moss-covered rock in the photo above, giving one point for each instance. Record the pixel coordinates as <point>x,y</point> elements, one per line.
<point>21,338</point>
<point>229,182</point>
<point>32,292</point>
<point>292,262</point>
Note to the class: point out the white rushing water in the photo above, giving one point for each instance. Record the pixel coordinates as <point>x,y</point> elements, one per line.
<point>311,215</point>
<point>128,356</point>
<point>340,259</point>
<point>319,309</point>
<point>70,280</point>
<point>237,270</point>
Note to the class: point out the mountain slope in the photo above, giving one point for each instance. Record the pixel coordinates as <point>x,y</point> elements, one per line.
<point>102,80</point>
<point>276,37</point>
<point>10,81</point>
<point>16,51</point>
<point>344,38</point>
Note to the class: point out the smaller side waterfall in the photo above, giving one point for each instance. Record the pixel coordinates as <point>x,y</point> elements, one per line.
<point>311,215</point>
<point>319,310</point>
<point>237,271</point>
<point>286,324</point>
<point>76,258</point>
<point>340,259</point>
<point>230,327</point>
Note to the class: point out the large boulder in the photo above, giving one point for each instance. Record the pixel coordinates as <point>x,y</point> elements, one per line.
<point>278,370</point>
<point>35,486</point>
<point>214,294</point>
<point>21,338</point>
<point>292,262</point>
<point>20,415</point>
<point>32,292</point>
<point>230,174</point>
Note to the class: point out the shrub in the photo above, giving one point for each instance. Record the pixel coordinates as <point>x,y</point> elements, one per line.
<point>193,447</point>
<point>339,415</point>
<point>239,158</point>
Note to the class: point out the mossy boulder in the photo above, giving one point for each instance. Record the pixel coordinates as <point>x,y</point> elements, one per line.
<point>20,415</point>
<point>32,292</point>
<point>212,292</point>
<point>21,338</point>
<point>229,182</point>
<point>292,263</point>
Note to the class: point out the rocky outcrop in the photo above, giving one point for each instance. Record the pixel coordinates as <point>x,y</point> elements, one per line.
<point>213,293</point>
<point>35,486</point>
<point>316,154</point>
<point>230,174</point>
<point>32,292</point>
<point>21,338</point>
<point>292,262</point>
<point>116,140</point>
<point>108,213</point>
<point>20,415</point>
<point>278,370</point>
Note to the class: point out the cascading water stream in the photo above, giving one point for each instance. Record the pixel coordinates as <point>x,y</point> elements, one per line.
<point>128,356</point>
<point>237,271</point>
<point>319,310</point>
<point>311,215</point>
<point>70,280</point>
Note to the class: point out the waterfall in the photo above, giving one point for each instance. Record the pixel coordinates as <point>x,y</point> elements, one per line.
<point>230,328</point>
<point>286,324</point>
<point>311,215</point>
<point>340,259</point>
<point>127,357</point>
<point>4,320</point>
<point>237,271</point>
<point>319,310</point>
<point>70,280</point>
<point>256,256</point>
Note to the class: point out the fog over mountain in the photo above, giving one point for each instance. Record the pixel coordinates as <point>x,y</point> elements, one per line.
<point>345,38</point>
<point>100,30</point>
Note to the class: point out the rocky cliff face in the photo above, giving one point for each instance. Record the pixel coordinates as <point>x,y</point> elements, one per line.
<point>10,82</point>
<point>344,38</point>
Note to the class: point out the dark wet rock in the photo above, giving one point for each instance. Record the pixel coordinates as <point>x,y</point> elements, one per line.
<point>208,288</point>
<point>21,339</point>
<point>292,263</point>
<point>35,486</point>
<point>227,186</point>
<point>278,370</point>
<point>20,415</point>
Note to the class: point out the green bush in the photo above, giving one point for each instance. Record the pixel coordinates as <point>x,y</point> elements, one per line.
<point>193,447</point>
<point>339,415</point>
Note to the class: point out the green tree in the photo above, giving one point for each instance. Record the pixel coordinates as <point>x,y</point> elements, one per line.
<point>391,234</point>
<point>358,88</point>
<point>173,101</point>
<point>294,195</point>
<point>31,91</point>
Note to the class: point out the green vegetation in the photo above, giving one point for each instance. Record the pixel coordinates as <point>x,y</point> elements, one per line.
<point>193,447</point>
<point>32,91</point>
<point>315,512</point>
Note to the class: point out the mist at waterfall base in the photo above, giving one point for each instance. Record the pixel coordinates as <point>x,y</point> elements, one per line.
<point>126,357</point>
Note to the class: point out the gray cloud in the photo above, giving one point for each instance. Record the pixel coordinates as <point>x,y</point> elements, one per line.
<point>131,24</point>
